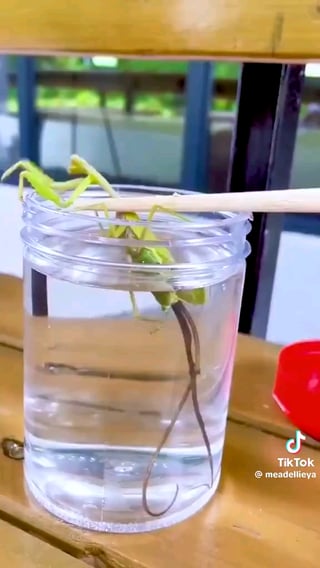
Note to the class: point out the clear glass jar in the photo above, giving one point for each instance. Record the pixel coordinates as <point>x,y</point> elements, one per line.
<point>125,410</point>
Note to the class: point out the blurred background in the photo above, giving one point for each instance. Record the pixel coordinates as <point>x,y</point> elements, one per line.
<point>162,123</point>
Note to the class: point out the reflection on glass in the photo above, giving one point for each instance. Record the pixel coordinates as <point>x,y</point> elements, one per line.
<point>9,129</point>
<point>222,121</point>
<point>295,307</point>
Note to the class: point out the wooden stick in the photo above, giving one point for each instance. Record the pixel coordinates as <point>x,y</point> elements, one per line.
<point>279,201</point>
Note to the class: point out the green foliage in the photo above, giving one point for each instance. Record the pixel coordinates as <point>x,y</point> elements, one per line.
<point>222,70</point>
<point>166,105</point>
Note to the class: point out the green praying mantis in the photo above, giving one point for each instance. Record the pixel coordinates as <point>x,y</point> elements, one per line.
<point>53,191</point>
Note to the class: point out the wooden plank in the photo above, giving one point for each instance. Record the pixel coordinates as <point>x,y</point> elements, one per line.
<point>250,523</point>
<point>235,29</point>
<point>254,373</point>
<point>11,310</point>
<point>21,550</point>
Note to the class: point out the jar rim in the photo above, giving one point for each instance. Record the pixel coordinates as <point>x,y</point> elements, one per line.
<point>208,221</point>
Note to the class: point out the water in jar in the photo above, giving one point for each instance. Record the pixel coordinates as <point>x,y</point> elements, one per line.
<point>113,440</point>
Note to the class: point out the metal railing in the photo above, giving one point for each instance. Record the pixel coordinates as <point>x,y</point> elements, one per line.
<point>131,84</point>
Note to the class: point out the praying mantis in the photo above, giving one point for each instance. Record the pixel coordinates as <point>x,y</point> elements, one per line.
<point>51,190</point>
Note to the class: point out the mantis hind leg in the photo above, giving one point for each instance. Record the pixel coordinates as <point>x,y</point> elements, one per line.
<point>157,209</point>
<point>135,309</point>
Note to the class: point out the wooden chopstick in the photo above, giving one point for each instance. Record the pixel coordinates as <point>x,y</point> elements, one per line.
<point>277,201</point>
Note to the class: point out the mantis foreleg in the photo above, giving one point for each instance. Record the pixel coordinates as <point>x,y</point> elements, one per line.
<point>66,185</point>
<point>80,189</point>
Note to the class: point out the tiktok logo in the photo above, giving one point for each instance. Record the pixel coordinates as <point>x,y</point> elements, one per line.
<point>293,445</point>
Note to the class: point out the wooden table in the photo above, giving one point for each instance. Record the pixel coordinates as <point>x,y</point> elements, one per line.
<point>236,29</point>
<point>251,523</point>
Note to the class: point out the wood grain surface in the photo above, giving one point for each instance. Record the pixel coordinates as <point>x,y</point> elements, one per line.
<point>251,523</point>
<point>21,550</point>
<point>234,29</point>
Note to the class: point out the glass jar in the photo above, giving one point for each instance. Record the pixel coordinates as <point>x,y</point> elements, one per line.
<point>125,401</point>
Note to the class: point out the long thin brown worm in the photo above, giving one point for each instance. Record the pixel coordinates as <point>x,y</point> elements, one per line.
<point>155,457</point>
<point>194,390</point>
<point>187,336</point>
<point>190,333</point>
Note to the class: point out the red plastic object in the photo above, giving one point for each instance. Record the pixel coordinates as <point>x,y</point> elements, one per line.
<point>297,386</point>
